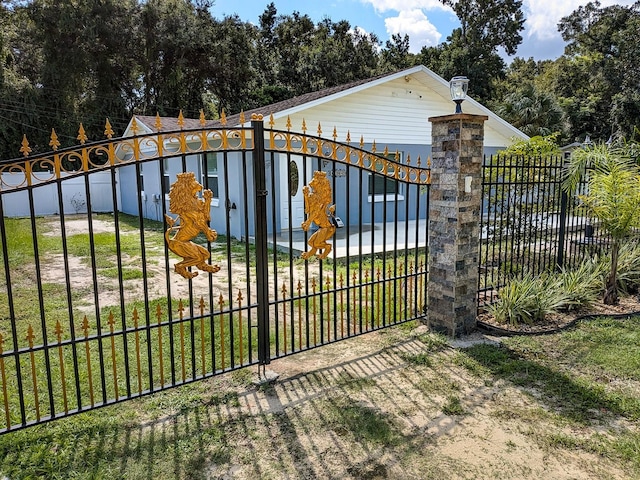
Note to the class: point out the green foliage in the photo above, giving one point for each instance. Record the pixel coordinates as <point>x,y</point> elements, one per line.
<point>531,298</point>
<point>472,49</point>
<point>453,406</point>
<point>533,111</point>
<point>613,196</point>
<point>629,266</point>
<point>596,79</point>
<point>583,284</point>
<point>536,146</point>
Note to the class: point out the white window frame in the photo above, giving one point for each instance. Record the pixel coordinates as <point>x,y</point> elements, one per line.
<point>215,201</point>
<point>389,197</point>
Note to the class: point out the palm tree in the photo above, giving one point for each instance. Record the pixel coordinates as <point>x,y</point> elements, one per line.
<point>531,110</point>
<point>613,196</point>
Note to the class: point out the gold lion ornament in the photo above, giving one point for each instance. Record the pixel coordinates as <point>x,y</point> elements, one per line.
<point>317,197</point>
<point>193,216</point>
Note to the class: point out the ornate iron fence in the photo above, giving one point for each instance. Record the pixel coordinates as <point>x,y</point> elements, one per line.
<point>224,247</point>
<point>529,224</point>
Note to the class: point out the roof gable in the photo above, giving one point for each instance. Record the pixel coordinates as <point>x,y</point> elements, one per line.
<point>345,100</point>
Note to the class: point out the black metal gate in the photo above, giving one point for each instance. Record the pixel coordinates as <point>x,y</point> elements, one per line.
<point>94,310</point>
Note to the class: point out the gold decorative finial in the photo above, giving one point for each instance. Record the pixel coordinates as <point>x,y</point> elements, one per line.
<point>361,141</point>
<point>272,121</point>
<point>259,117</point>
<point>304,126</point>
<point>203,120</point>
<point>158,123</point>
<point>348,139</point>
<point>25,149</point>
<point>408,159</point>
<point>54,143</point>
<point>386,151</point>
<point>335,134</point>
<point>288,125</point>
<point>419,162</point>
<point>373,147</point>
<point>134,126</point>
<point>181,120</point>
<point>223,118</point>
<point>242,118</point>
<point>194,215</point>
<point>108,131</point>
<point>319,130</point>
<point>82,136</point>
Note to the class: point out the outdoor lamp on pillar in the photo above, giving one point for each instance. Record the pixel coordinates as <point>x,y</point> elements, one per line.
<point>458,87</point>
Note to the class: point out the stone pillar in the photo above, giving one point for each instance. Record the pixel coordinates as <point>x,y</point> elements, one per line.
<point>457,143</point>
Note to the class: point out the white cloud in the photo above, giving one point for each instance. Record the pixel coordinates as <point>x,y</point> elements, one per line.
<point>382,6</point>
<point>416,24</point>
<point>543,16</point>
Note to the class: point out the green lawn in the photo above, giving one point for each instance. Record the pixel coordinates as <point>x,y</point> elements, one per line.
<point>352,410</point>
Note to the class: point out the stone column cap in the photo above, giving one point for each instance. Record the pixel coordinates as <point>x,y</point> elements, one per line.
<point>459,116</point>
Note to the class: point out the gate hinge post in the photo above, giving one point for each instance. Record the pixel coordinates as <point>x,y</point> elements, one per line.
<point>262,268</point>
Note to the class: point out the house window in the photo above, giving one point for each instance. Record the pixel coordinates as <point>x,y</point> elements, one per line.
<point>166,179</point>
<point>210,173</point>
<point>383,188</point>
<point>294,178</point>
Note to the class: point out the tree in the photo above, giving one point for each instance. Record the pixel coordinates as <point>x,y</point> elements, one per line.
<point>598,74</point>
<point>613,197</point>
<point>472,49</point>
<point>395,55</point>
<point>531,110</point>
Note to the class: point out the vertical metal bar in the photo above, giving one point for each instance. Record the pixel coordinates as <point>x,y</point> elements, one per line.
<point>564,201</point>
<point>321,275</point>
<point>43,320</point>
<point>290,239</point>
<point>407,270</point>
<point>262,269</point>
<point>347,260</point>
<point>123,313</point>
<point>65,256</point>
<point>247,253</point>
<point>232,353</point>
<point>482,262</point>
<point>145,280</point>
<point>12,313</point>
<point>359,308</point>
<point>274,242</point>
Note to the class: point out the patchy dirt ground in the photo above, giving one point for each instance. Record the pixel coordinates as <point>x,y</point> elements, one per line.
<point>379,406</point>
<point>361,409</point>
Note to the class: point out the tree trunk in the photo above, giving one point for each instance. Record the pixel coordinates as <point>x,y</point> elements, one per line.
<point>611,288</point>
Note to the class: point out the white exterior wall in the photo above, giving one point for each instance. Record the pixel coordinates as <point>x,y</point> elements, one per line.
<point>394,112</point>
<point>45,198</point>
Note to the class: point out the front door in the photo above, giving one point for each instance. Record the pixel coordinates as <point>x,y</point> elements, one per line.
<point>292,178</point>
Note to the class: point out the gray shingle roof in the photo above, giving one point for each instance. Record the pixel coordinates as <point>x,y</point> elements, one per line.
<point>171,123</point>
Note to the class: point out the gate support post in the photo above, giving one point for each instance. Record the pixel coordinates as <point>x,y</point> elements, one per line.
<point>262,272</point>
<point>457,143</point>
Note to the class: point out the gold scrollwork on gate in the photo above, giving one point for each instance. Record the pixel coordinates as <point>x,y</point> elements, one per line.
<point>317,199</point>
<point>193,216</point>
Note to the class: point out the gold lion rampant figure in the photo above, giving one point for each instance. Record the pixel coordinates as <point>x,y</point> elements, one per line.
<point>317,197</point>
<point>194,214</point>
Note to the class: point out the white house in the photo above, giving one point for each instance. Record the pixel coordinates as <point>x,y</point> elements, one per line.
<point>391,109</point>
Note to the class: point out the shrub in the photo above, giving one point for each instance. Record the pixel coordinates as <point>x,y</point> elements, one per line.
<point>629,267</point>
<point>530,299</point>
<point>583,285</point>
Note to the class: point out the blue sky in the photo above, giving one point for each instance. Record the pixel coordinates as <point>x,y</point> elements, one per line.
<point>427,22</point>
